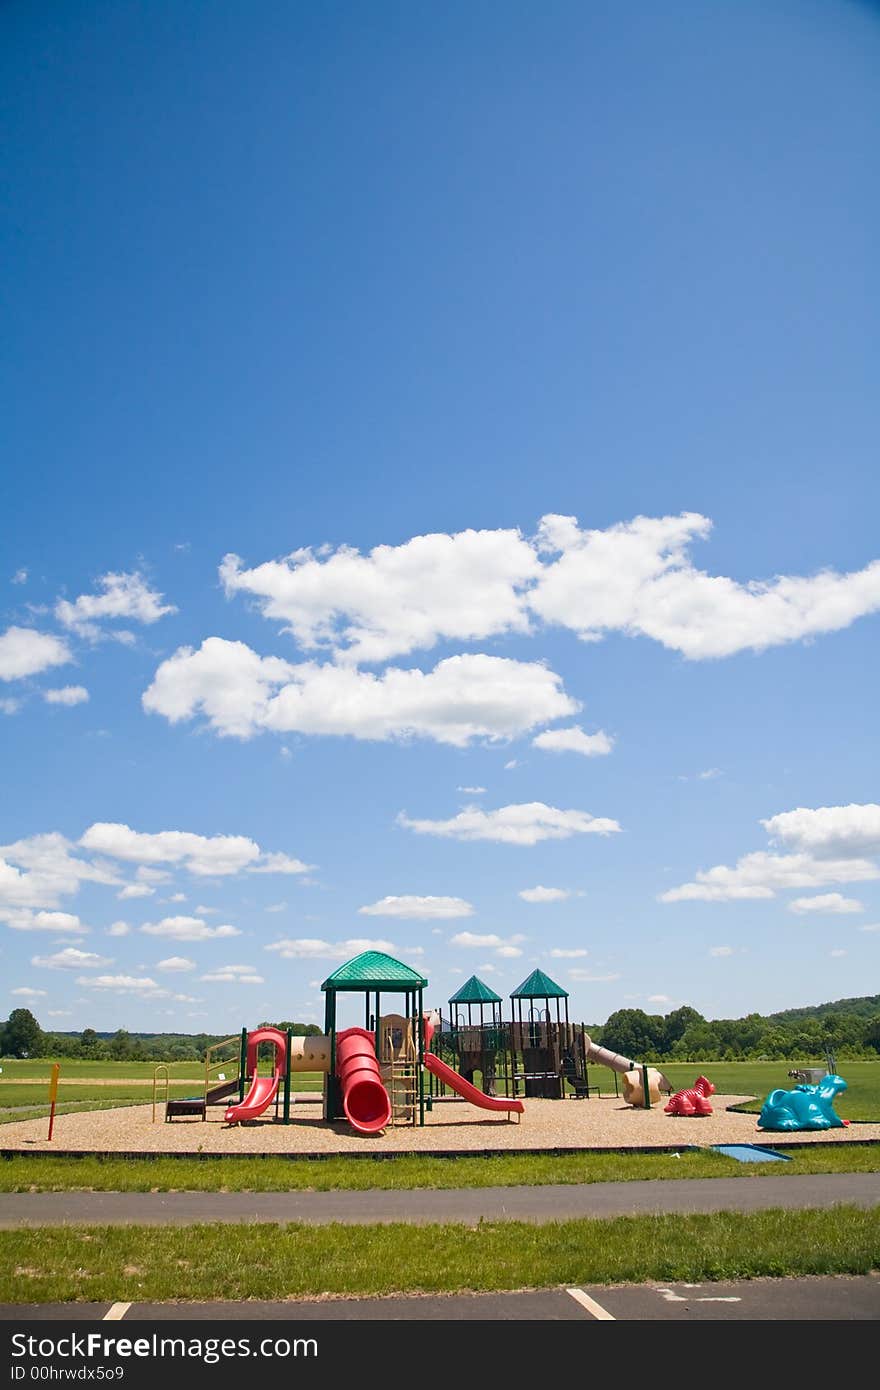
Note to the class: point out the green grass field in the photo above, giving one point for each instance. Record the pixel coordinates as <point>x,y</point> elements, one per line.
<point>41,1172</point>
<point>206,1262</point>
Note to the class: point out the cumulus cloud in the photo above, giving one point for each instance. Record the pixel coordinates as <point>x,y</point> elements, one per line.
<point>22,919</point>
<point>136,890</point>
<point>395,599</point>
<point>826,902</point>
<point>26,652</point>
<point>828,844</point>
<point>574,740</point>
<point>508,947</point>
<point>472,791</point>
<point>409,905</point>
<point>524,824</point>
<point>67,695</point>
<point>234,975</point>
<point>118,929</point>
<point>312,948</point>
<point>71,959</point>
<point>122,984</point>
<point>126,596</point>
<point>41,870</point>
<point>20,576</point>
<point>540,894</point>
<point>636,577</point>
<point>176,964</point>
<point>762,875</point>
<point>202,855</point>
<point>279,864</point>
<point>187,929</point>
<point>25,992</point>
<point>463,698</point>
<point>561,953</point>
<point>828,831</point>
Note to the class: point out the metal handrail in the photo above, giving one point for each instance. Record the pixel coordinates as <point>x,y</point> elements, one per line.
<point>162,1066</point>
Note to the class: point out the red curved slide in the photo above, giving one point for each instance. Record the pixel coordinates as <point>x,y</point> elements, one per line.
<point>260,1096</point>
<point>263,1089</point>
<point>366,1103</point>
<point>464,1088</point>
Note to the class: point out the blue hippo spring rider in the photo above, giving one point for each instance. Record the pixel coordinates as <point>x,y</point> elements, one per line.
<point>803,1107</point>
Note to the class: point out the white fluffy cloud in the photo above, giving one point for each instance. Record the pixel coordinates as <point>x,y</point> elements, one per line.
<point>828,831</point>
<point>187,929</point>
<point>118,929</point>
<point>524,824</point>
<point>279,864</point>
<point>204,855</point>
<point>126,596</point>
<point>409,905</point>
<point>461,699</point>
<point>829,845</point>
<point>507,948</point>
<point>122,984</point>
<point>234,975</point>
<point>826,902</point>
<point>67,695</point>
<point>540,894</point>
<point>313,948</point>
<point>635,577</point>
<point>396,599</point>
<point>41,870</point>
<point>23,919</point>
<point>71,959</point>
<point>26,652</point>
<point>136,890</point>
<point>25,992</point>
<point>762,875</point>
<point>574,740</point>
<point>176,964</point>
<point>561,953</point>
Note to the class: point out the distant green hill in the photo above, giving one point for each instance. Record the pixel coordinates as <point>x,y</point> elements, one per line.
<point>865,1007</point>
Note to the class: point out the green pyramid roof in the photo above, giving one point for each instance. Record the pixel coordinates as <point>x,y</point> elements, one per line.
<point>474,991</point>
<point>374,970</point>
<point>539,986</point>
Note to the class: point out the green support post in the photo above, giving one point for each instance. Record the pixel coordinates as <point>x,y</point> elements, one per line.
<point>287,1081</point>
<point>242,1065</point>
<point>645,1086</point>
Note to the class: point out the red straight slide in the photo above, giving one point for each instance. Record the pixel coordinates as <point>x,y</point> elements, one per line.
<point>260,1096</point>
<point>464,1088</point>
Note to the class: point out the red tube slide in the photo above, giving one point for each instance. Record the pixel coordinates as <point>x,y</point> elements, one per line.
<point>365,1101</point>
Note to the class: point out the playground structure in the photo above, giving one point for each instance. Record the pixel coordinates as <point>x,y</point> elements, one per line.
<point>540,1052</point>
<point>804,1107</point>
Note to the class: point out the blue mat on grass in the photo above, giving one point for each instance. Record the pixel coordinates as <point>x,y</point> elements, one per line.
<point>750,1153</point>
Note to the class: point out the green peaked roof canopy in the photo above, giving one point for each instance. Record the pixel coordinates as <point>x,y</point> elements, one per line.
<point>474,991</point>
<point>539,986</point>
<point>374,970</point>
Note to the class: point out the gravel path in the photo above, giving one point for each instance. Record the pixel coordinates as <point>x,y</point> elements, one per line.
<point>452,1127</point>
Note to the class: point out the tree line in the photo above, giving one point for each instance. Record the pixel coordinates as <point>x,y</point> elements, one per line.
<point>22,1036</point>
<point>850,1029</point>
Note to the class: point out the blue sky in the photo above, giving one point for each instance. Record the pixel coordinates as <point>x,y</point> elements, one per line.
<point>440,467</point>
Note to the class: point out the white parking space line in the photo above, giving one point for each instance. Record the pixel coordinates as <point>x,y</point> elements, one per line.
<point>598,1312</point>
<point>116,1312</point>
<point>670,1296</point>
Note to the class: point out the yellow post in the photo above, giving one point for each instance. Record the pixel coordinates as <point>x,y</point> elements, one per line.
<point>161,1067</point>
<point>53,1094</point>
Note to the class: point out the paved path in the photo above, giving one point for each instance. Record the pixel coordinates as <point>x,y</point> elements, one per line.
<point>537,1204</point>
<point>770,1300</point>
